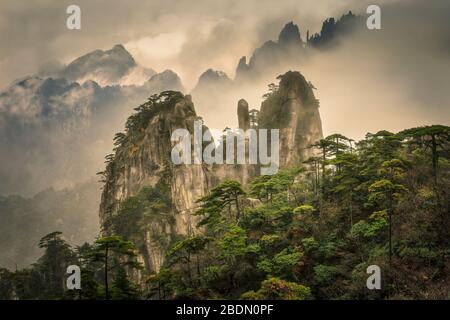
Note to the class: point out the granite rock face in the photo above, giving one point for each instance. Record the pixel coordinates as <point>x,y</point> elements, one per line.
<point>148,163</point>
<point>107,67</point>
<point>56,127</point>
<point>292,108</point>
<point>289,35</point>
<point>243,115</point>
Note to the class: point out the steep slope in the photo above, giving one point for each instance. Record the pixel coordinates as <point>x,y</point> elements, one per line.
<point>52,132</point>
<point>293,108</point>
<point>23,221</point>
<point>291,51</point>
<point>55,130</point>
<point>333,30</point>
<point>142,159</point>
<point>213,97</point>
<point>108,67</point>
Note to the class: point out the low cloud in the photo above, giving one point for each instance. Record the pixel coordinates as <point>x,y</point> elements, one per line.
<point>389,79</point>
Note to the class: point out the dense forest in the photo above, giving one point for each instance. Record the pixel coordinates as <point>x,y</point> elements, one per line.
<point>308,232</point>
<point>23,221</point>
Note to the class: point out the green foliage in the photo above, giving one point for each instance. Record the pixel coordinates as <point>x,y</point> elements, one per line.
<point>310,244</point>
<point>225,195</point>
<point>325,274</point>
<point>122,288</point>
<point>285,260</point>
<point>138,122</point>
<point>52,265</point>
<point>23,221</point>
<point>151,206</point>
<point>304,209</point>
<point>183,249</point>
<point>369,203</point>
<point>277,289</point>
<point>233,242</point>
<point>366,229</point>
<point>310,235</point>
<point>113,253</point>
<point>6,284</point>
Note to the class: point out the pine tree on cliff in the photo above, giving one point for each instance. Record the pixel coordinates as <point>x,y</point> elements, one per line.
<point>113,253</point>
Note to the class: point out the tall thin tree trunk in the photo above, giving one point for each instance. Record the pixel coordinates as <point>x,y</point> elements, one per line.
<point>351,209</point>
<point>189,268</point>
<point>106,274</point>
<point>198,269</point>
<point>390,209</point>
<point>324,158</point>
<point>238,209</point>
<point>434,155</point>
<point>317,173</point>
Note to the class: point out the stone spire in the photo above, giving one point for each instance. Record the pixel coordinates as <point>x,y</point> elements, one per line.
<point>243,116</point>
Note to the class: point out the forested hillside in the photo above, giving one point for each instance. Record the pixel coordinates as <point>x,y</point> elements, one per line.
<point>308,232</point>
<point>23,221</point>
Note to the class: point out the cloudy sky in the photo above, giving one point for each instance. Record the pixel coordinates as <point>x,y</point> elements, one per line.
<point>187,36</point>
<point>398,76</point>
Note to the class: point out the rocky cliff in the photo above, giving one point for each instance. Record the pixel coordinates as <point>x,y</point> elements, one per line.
<point>56,128</point>
<point>142,157</point>
<point>293,108</point>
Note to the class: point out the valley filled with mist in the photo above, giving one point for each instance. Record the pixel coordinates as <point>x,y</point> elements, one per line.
<point>83,143</point>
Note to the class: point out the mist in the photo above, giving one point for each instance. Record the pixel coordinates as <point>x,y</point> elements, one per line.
<point>388,79</point>
<point>391,79</point>
<point>55,133</point>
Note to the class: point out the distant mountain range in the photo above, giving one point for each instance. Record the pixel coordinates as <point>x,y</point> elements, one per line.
<point>23,221</point>
<point>57,125</point>
<point>216,94</point>
<point>55,128</point>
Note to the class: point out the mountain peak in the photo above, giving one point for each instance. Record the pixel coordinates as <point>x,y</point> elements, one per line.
<point>121,51</point>
<point>105,67</point>
<point>290,34</point>
<point>166,80</point>
<point>212,75</point>
<point>212,80</point>
<point>242,67</point>
<point>119,47</point>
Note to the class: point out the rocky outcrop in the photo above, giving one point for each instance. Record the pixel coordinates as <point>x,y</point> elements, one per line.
<point>55,131</point>
<point>290,51</point>
<point>332,30</point>
<point>146,160</point>
<point>211,82</point>
<point>166,80</point>
<point>107,67</point>
<point>243,115</point>
<point>212,97</point>
<point>273,55</point>
<point>293,109</point>
<point>289,35</point>
<point>242,68</point>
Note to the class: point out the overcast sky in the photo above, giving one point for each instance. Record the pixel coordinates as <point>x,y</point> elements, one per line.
<point>400,75</point>
<point>187,36</point>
